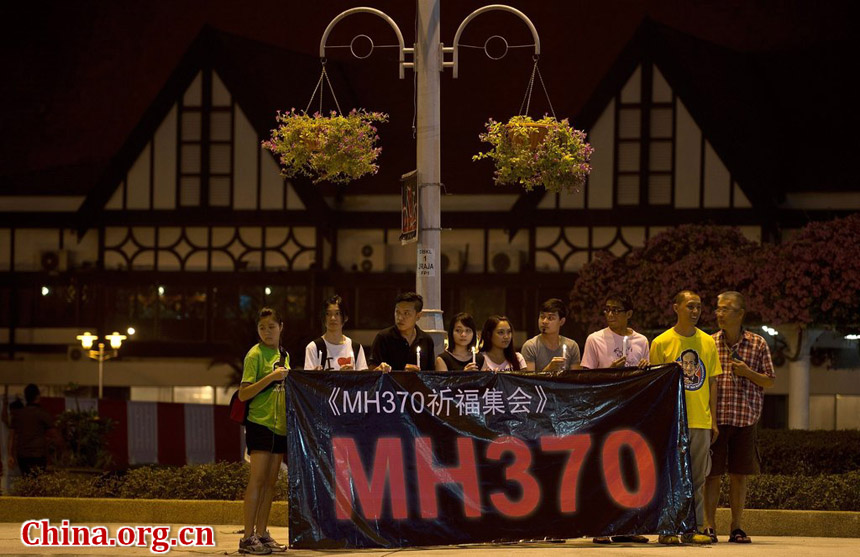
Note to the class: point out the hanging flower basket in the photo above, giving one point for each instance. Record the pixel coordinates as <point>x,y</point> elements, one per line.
<point>335,148</point>
<point>526,133</point>
<point>546,152</point>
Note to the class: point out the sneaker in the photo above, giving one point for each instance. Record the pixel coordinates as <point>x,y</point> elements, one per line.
<point>269,542</point>
<point>711,533</point>
<point>697,538</point>
<point>252,546</point>
<point>669,539</point>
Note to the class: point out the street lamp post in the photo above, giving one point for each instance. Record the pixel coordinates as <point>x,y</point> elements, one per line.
<point>87,339</point>
<point>428,61</point>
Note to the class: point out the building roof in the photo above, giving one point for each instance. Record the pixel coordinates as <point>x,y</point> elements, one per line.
<point>769,90</point>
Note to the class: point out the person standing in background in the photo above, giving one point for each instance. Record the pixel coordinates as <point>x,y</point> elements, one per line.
<point>28,440</point>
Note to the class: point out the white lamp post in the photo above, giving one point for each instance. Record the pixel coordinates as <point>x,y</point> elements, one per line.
<point>428,61</point>
<point>87,339</point>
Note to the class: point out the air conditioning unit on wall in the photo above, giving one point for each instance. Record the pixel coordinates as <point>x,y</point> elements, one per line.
<point>75,353</point>
<point>453,261</point>
<point>503,258</point>
<point>53,261</point>
<point>370,259</point>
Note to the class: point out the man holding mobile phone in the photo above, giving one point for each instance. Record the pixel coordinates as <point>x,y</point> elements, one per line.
<point>745,359</point>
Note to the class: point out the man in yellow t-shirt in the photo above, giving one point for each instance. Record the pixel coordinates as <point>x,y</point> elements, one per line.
<point>696,352</point>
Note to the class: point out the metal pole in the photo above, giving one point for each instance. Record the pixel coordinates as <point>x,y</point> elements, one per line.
<point>428,68</point>
<point>101,366</point>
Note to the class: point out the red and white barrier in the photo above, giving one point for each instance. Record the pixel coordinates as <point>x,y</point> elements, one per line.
<point>162,432</point>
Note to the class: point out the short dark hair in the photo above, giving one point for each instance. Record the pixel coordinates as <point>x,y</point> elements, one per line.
<point>679,297</point>
<point>468,321</point>
<point>410,297</point>
<point>31,393</point>
<point>738,297</point>
<point>269,312</point>
<point>623,299</point>
<point>335,300</point>
<point>554,305</point>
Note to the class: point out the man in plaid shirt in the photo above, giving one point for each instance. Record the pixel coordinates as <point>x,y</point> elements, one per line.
<point>748,370</point>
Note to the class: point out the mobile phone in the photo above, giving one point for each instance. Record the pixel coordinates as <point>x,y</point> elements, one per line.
<point>735,355</point>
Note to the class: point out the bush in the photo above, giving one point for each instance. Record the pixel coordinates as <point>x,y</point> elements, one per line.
<point>84,434</point>
<point>707,259</point>
<point>65,484</point>
<point>831,492</point>
<point>223,481</point>
<point>809,453</point>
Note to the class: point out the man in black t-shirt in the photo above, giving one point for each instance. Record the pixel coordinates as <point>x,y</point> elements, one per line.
<point>400,347</point>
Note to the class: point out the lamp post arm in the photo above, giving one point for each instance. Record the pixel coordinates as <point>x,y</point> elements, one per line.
<point>403,51</point>
<point>492,7</point>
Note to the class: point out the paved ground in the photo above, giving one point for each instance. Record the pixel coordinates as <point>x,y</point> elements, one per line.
<point>227,540</point>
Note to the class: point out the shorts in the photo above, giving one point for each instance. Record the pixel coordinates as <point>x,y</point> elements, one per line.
<point>260,438</point>
<point>737,445</point>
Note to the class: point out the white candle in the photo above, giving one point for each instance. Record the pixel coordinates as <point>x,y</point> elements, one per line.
<point>319,359</point>
<point>564,354</point>
<point>624,347</point>
<point>418,356</point>
<point>474,349</point>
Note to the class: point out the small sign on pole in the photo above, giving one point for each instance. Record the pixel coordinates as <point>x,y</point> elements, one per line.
<point>426,263</point>
<point>409,208</point>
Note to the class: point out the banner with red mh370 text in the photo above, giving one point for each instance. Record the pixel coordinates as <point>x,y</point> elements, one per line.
<point>415,459</point>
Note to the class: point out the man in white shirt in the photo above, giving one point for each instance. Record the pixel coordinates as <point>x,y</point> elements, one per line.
<point>617,345</point>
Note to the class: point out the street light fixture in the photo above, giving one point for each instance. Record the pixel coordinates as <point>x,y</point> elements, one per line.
<point>88,339</point>
<point>115,340</point>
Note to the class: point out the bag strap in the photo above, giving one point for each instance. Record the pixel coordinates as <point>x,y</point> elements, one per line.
<point>321,348</point>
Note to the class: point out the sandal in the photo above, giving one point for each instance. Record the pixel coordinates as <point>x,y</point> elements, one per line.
<point>739,536</point>
<point>712,533</point>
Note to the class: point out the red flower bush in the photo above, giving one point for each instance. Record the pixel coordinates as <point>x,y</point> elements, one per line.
<point>707,259</point>
<point>813,277</point>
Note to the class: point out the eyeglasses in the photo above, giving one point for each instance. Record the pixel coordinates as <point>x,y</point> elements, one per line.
<point>608,310</point>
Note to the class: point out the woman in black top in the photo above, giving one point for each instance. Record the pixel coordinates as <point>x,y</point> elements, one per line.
<point>460,354</point>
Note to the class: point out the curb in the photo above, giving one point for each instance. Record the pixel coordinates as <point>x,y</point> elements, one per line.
<point>757,522</point>
<point>812,524</point>
<point>131,511</point>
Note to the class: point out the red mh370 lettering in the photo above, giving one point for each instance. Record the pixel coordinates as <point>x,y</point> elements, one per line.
<point>352,482</point>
